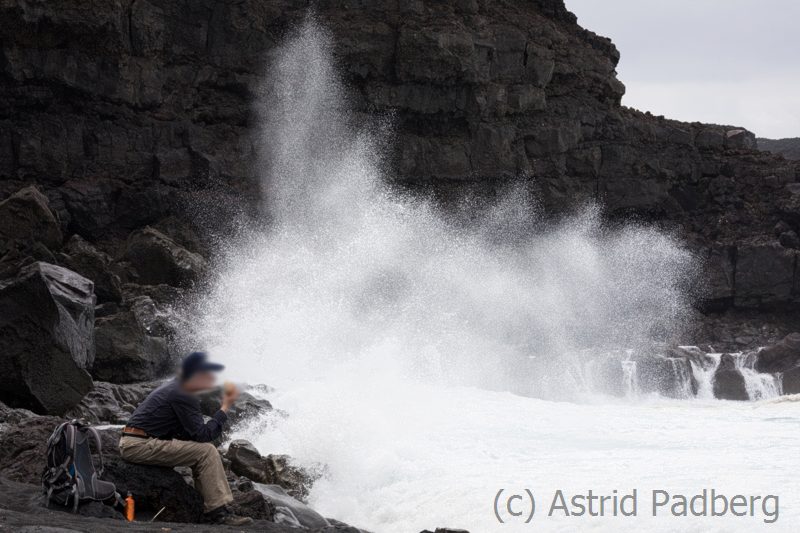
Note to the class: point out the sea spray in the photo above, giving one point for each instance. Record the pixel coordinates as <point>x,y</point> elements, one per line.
<point>351,273</point>
<point>370,309</point>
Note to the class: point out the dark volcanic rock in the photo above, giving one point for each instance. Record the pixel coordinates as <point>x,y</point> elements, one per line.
<point>22,458</point>
<point>46,338</point>
<point>290,511</point>
<point>182,232</point>
<point>23,441</point>
<point>253,504</point>
<point>154,487</point>
<point>728,381</point>
<point>272,469</point>
<point>108,403</point>
<point>25,217</point>
<point>22,448</point>
<point>99,510</point>
<point>99,111</point>
<point>767,275</point>
<point>788,148</point>
<point>80,256</point>
<point>9,415</point>
<point>246,406</point>
<point>158,259</point>
<point>781,356</point>
<point>132,345</point>
<point>22,511</point>
<point>790,381</point>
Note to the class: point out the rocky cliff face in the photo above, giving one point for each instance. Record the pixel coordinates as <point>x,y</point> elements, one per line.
<point>788,148</point>
<point>135,113</point>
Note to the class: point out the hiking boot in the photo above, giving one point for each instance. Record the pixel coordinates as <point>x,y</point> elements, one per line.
<point>224,517</point>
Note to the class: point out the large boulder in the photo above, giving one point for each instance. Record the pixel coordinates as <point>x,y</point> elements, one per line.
<point>271,470</point>
<point>80,256</point>
<point>132,345</point>
<point>158,259</point>
<point>46,338</point>
<point>740,139</point>
<point>246,406</point>
<point>156,487</point>
<point>25,217</point>
<point>790,381</point>
<point>289,511</point>
<point>781,356</point>
<point>109,403</point>
<point>729,381</point>
<point>252,503</point>
<point>23,443</point>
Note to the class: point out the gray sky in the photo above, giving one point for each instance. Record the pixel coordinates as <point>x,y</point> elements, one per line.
<point>723,61</point>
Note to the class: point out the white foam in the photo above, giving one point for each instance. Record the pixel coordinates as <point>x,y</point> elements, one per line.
<point>386,326</point>
<point>404,457</point>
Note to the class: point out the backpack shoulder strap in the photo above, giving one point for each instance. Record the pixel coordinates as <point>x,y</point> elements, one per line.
<point>98,442</point>
<point>71,434</point>
<point>56,434</point>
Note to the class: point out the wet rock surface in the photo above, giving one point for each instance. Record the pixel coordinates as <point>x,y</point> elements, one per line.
<point>245,460</point>
<point>23,441</point>
<point>82,257</point>
<point>158,259</point>
<point>784,358</point>
<point>686,372</point>
<point>246,407</point>
<point>292,512</point>
<point>252,504</point>
<point>729,383</point>
<point>46,338</point>
<point>781,356</point>
<point>129,346</point>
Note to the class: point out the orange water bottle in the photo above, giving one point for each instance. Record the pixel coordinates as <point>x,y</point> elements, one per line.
<point>130,507</point>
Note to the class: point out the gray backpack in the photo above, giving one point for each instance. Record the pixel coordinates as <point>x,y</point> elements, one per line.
<point>70,476</point>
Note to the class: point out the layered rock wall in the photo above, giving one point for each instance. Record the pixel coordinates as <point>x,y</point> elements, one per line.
<point>139,112</point>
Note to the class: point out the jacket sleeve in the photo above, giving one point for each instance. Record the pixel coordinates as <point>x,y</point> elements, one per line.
<point>187,409</point>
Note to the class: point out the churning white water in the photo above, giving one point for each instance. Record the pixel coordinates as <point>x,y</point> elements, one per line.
<point>419,354</point>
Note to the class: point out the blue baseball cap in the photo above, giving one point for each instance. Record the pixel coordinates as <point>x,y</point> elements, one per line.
<point>198,362</point>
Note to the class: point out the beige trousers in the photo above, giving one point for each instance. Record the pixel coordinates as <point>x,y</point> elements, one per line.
<point>202,457</point>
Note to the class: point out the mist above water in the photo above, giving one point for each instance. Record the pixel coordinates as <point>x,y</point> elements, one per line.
<point>352,280</point>
<point>395,334</point>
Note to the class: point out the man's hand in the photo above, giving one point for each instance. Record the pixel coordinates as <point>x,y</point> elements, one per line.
<point>230,393</point>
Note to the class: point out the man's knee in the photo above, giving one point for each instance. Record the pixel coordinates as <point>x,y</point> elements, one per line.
<point>207,452</point>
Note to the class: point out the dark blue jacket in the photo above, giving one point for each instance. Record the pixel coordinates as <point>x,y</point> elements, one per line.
<point>170,413</point>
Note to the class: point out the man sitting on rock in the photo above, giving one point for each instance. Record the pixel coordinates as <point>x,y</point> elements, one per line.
<point>168,429</point>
